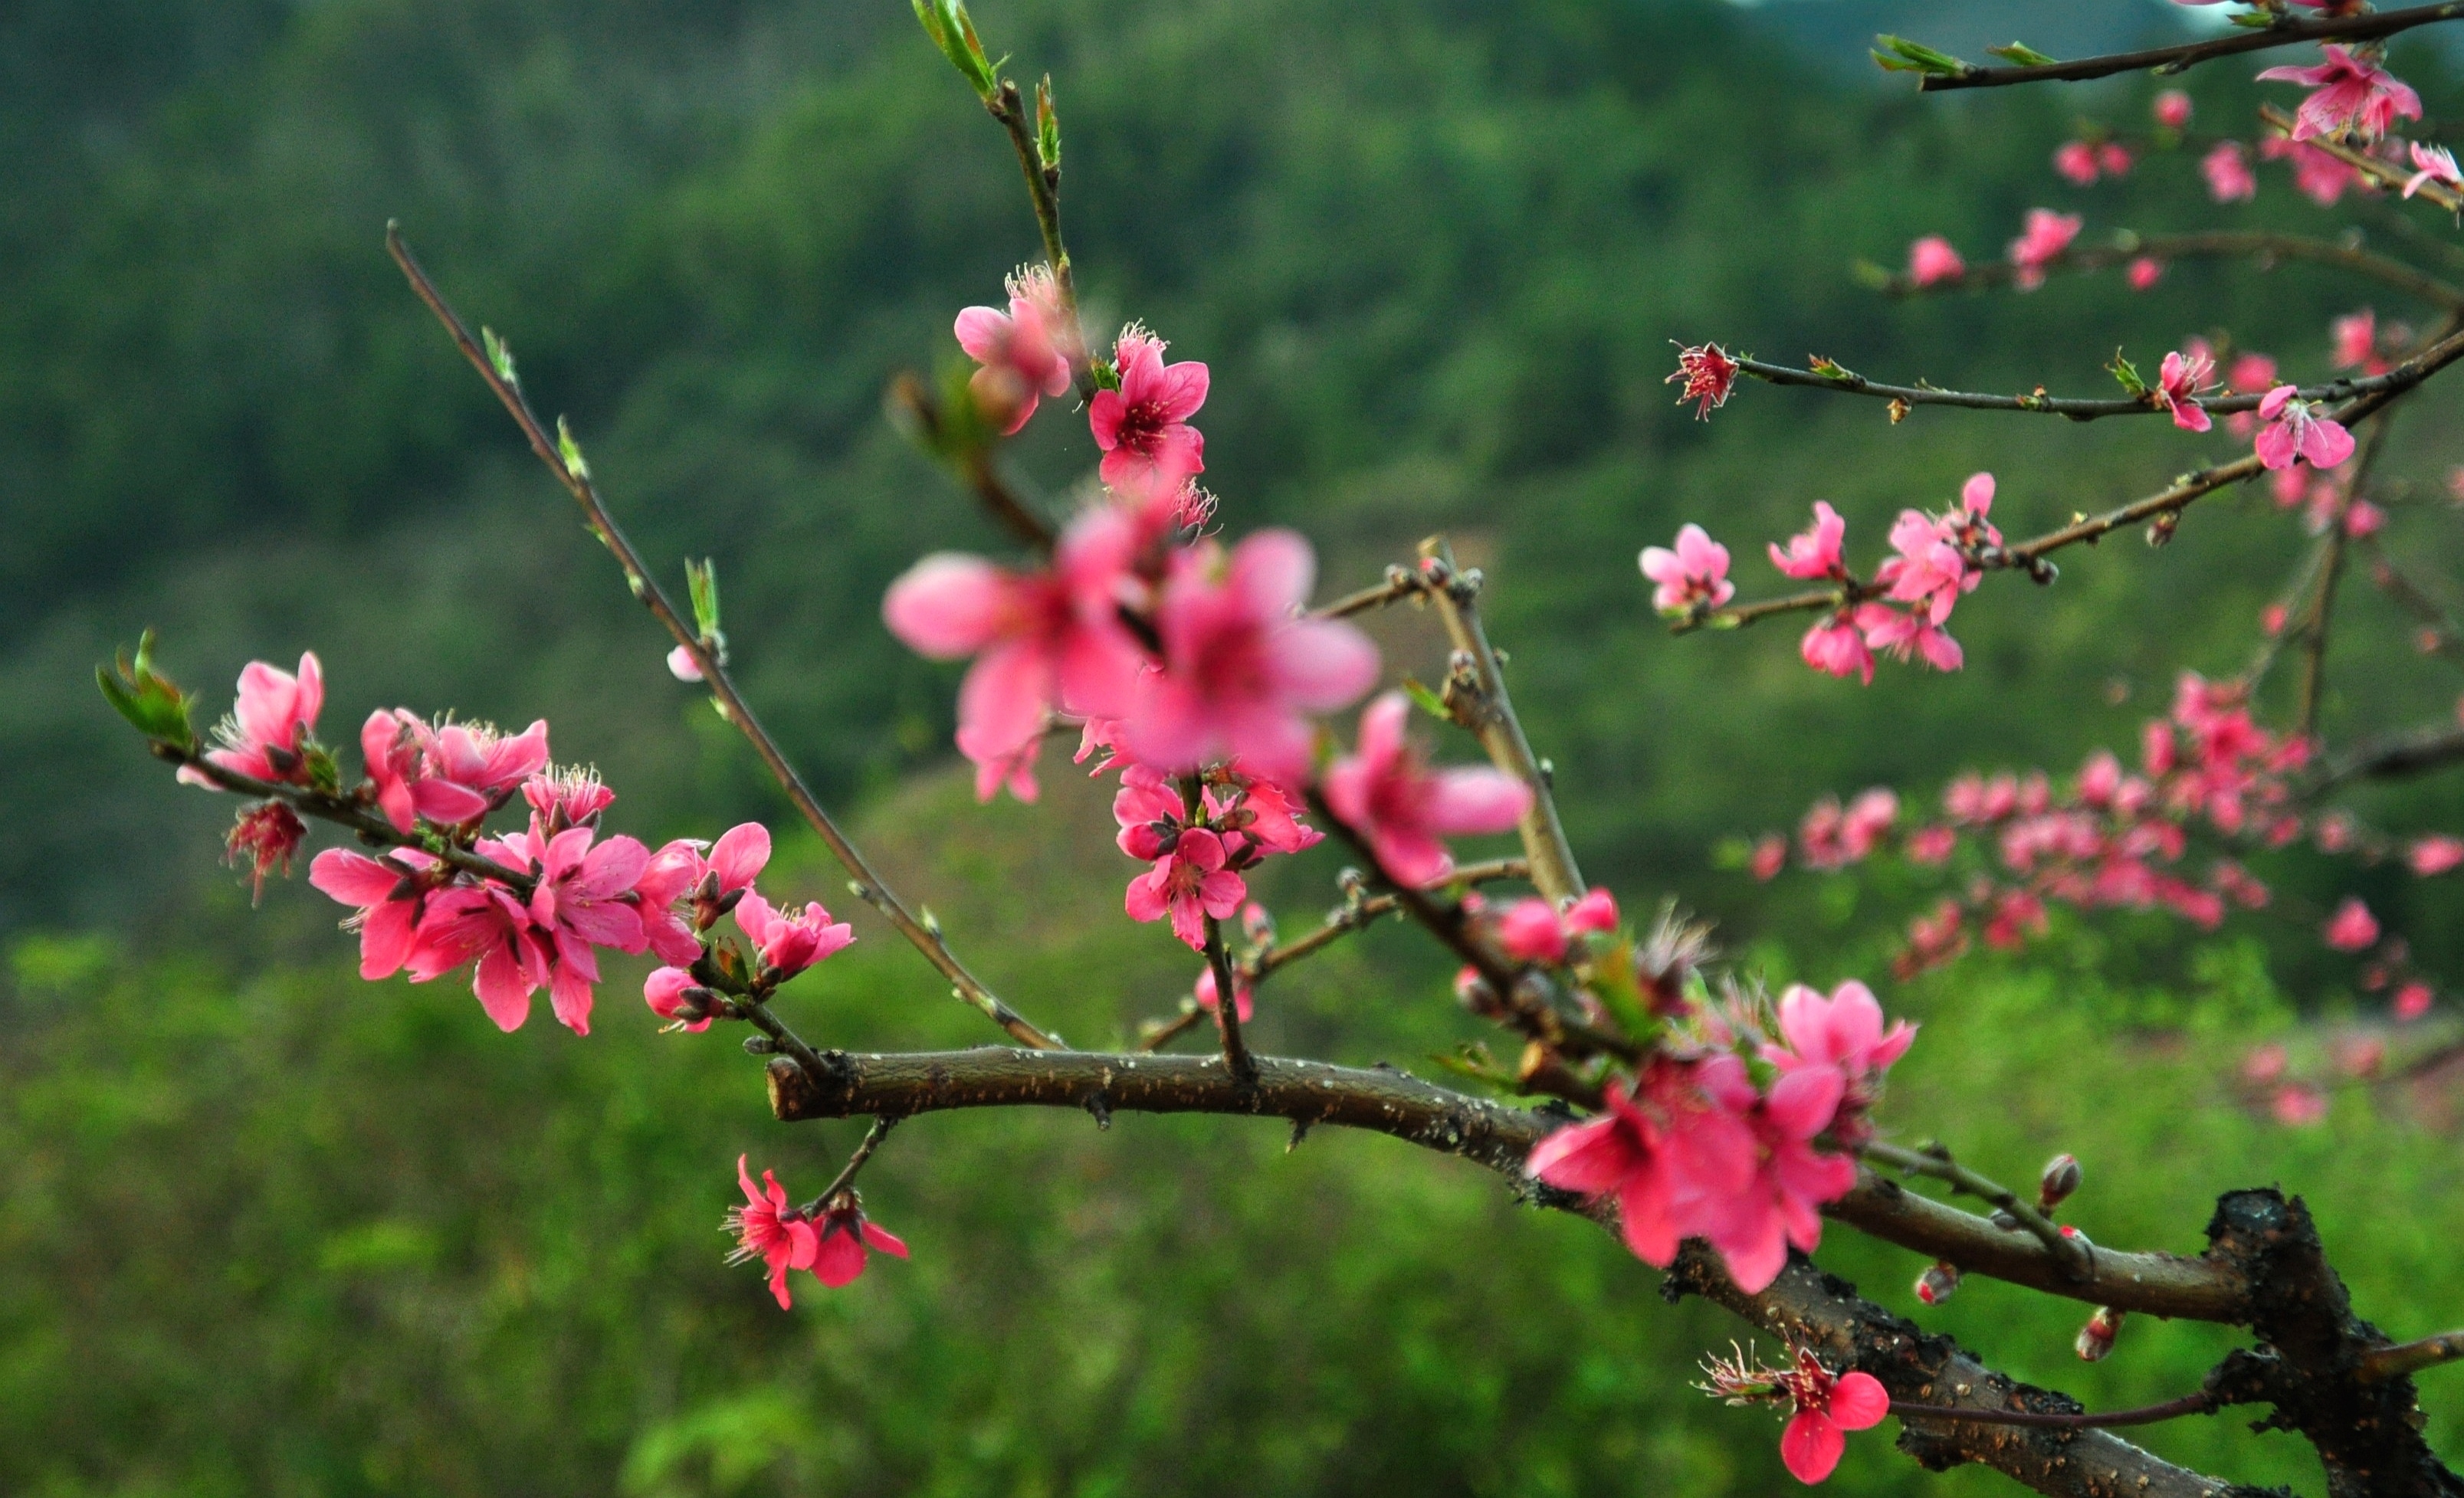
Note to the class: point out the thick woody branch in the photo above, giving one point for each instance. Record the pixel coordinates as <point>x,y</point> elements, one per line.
<point>2394,755</point>
<point>2222,245</point>
<point>1500,732</point>
<point>870,885</point>
<point>2078,1260</point>
<point>2285,33</point>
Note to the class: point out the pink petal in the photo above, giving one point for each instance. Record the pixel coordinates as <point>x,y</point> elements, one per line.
<point>1322,663</point>
<point>981,332</point>
<point>352,878</point>
<point>1811,1446</point>
<point>385,939</point>
<point>948,605</point>
<point>876,1236</point>
<point>503,988</point>
<point>1468,801</point>
<point>839,1259</point>
<point>1858,1401</point>
<point>740,855</point>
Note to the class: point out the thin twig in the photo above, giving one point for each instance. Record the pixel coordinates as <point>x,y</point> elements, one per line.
<point>1938,1163</point>
<point>343,811</point>
<point>2447,640</point>
<point>2189,54</point>
<point>2202,1402</point>
<point>2369,166</point>
<point>2432,746</point>
<point>1401,582</point>
<point>2409,1357</point>
<point>1043,190</point>
<point>2127,247</point>
<point>1499,731</point>
<point>882,1124</point>
<point>1227,1006</point>
<point>2304,582</point>
<point>2316,628</point>
<point>731,705</point>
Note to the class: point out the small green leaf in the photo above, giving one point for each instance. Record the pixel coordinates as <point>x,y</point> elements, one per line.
<point>947,23</point>
<point>2127,374</point>
<point>570,452</point>
<point>2023,55</point>
<point>501,356</point>
<point>149,700</point>
<point>1048,127</point>
<point>1899,54</point>
<point>701,581</point>
<point>1428,702</point>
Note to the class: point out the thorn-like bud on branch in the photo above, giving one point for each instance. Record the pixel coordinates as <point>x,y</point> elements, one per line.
<point>2095,1342</point>
<point>759,1045</point>
<point>2060,1178</point>
<point>1937,1283</point>
<point>2003,1220</point>
<point>1351,882</point>
<point>693,1004</point>
<point>2160,530</point>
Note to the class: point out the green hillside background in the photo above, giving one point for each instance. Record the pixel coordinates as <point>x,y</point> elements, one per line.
<point>265,1229</point>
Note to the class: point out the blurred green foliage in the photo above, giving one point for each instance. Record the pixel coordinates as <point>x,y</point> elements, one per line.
<point>266,1229</point>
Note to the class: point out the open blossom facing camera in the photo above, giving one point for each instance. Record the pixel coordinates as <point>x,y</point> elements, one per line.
<point>1143,426</point>
<point>266,734</point>
<point>2296,431</point>
<point>2352,96</point>
<point>2180,380</point>
<point>768,1229</point>
<point>1384,790</point>
<point>1694,574</point>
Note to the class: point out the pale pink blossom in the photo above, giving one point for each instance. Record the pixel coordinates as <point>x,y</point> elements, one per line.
<point>388,894</point>
<point>2296,431</point>
<point>1024,351</point>
<point>2172,109</point>
<point>1143,427</point>
<point>2433,164</point>
<point>1695,573</point>
<point>2364,518</point>
<point>2227,168</point>
<point>682,666</point>
<point>1770,853</point>
<point>1898,634</point>
<point>2435,854</point>
<point>2355,342</point>
<point>844,1238</point>
<point>2251,374</point>
<point>768,1229</point>
<point>1814,551</point>
<point>1837,645</point>
<point>1842,1031</point>
<point>789,938</point>
<point>2321,178</point>
<point>2043,237</point>
<point>1932,259</point>
<point>2179,380</point>
<point>2351,95</point>
<point>2353,928</point>
<point>481,758</point>
<point>2299,1104</point>
<point>1187,882</point>
<point>567,797</point>
<point>267,734</point>
<point>1044,641</point>
<point>1240,667</point>
<point>1708,374</point>
<point>1384,791</point>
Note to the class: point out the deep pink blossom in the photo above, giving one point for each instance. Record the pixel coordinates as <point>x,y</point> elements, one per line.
<point>843,1235</point>
<point>2355,341</point>
<point>2433,164</point>
<point>1241,667</point>
<point>388,894</point>
<point>2299,1104</point>
<point>2043,237</point>
<point>1837,645</point>
<point>1596,913</point>
<point>568,797</point>
<point>487,922</point>
<point>1769,856</point>
<point>1663,1150</point>
<point>1708,374</point>
<point>481,758</point>
<point>1826,1409</point>
<point>1898,634</point>
<point>2295,430</point>
<point>2113,158</point>
<point>1026,351</point>
<point>583,900</point>
<point>768,1229</point>
<point>1143,426</point>
<point>2179,381</point>
<point>2353,928</point>
<point>1534,929</point>
<point>2434,854</point>
<point>2411,1002</point>
<point>2227,168</point>
<point>1932,259</point>
<point>1045,641</point>
<point>1695,573</point>
<point>392,741</point>
<point>2076,161</point>
<point>1780,1205</point>
<point>1814,551</point>
<point>264,734</point>
<point>265,837</point>
<point>1842,1031</point>
<point>2351,95</point>
<point>2144,273</point>
<point>790,938</point>
<point>1187,882</point>
<point>2172,109</point>
<point>1384,791</point>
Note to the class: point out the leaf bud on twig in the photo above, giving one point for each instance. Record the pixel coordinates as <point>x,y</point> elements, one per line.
<point>2060,1178</point>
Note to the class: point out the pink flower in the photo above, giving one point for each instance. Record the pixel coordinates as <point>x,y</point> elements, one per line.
<point>1898,634</point>
<point>664,991</point>
<point>1780,1206</point>
<point>264,735</point>
<point>2299,1104</point>
<point>1826,1409</point>
<point>1024,352</point>
<point>2321,178</point>
<point>1596,913</point>
<point>1143,427</point>
<point>1188,880</point>
<point>267,835</point>
<point>1239,669</point>
<point>2144,273</point>
<point>768,1229</point>
<point>2434,855</point>
<point>2356,343</point>
<point>2353,928</point>
<point>842,1237</point>
<point>2227,168</point>
<point>2352,96</point>
<point>682,666</point>
<point>1696,572</point>
<point>390,894</point>
<point>480,757</point>
<point>2113,158</point>
<point>1813,552</point>
<point>391,741</point>
<point>2179,380</point>
<point>2295,430</point>
<point>1043,641</point>
<point>1386,793</point>
<point>2076,161</point>
<point>1663,1150</point>
<point>1835,646</point>
<point>790,938</point>
<point>2364,518</point>
<point>2044,235</point>
<point>568,797</point>
<point>1933,845</point>
<point>461,922</point>
<point>1243,998</point>
<point>2251,374</point>
<point>1771,851</point>
<point>2411,1002</point>
<point>2431,163</point>
<point>2172,109</point>
<point>583,900</point>
<point>1531,932</point>
<point>1843,1032</point>
<point>1932,259</point>
<point>1708,374</point>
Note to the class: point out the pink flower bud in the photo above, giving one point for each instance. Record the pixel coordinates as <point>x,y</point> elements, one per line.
<point>1937,1283</point>
<point>2172,109</point>
<point>2095,1341</point>
<point>2058,1180</point>
<point>2412,1001</point>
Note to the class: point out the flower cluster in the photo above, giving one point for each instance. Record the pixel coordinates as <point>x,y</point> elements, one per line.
<point>833,1239</point>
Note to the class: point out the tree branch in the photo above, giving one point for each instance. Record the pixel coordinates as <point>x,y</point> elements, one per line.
<point>343,811</point>
<point>2078,1260</point>
<point>2369,166</point>
<point>2219,245</point>
<point>2285,33</point>
<point>2410,1357</point>
<point>2433,746</point>
<point>731,705</point>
